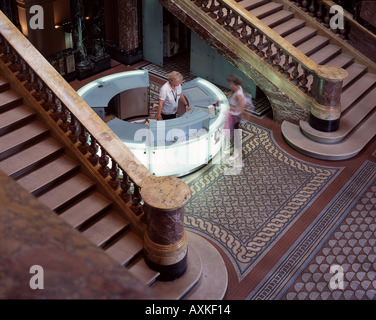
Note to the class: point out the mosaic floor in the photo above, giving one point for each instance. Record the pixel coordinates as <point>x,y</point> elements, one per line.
<point>246,213</point>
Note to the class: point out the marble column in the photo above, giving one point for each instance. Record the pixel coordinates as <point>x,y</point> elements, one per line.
<point>128,24</point>
<point>46,38</point>
<point>165,245</point>
<point>326,91</point>
<point>79,33</point>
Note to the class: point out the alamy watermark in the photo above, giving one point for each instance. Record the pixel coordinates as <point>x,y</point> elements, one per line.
<point>37,20</point>
<point>37,280</point>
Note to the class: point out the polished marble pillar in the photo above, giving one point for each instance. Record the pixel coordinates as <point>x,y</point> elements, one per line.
<point>165,240</point>
<point>127,48</point>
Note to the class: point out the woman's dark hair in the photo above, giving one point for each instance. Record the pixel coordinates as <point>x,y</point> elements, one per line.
<point>233,78</point>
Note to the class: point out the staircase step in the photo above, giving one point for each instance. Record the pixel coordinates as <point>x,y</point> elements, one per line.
<point>31,157</point>
<point>299,36</point>
<point>357,89</point>
<point>14,118</point>
<point>85,210</point>
<point>325,54</point>
<point>252,4</point>
<point>8,99</point>
<point>67,192</point>
<point>125,248</point>
<point>4,84</point>
<point>355,71</point>
<point>289,26</point>
<point>266,9</point>
<point>103,230</point>
<point>277,18</point>
<point>142,272</point>
<point>348,122</point>
<point>343,60</point>
<point>312,45</point>
<point>16,140</point>
<point>345,149</point>
<point>44,177</point>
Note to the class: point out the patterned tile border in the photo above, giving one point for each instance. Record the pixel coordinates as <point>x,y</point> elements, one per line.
<point>285,273</point>
<point>245,251</point>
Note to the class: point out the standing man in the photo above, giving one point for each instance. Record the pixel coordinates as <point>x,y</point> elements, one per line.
<point>169,97</point>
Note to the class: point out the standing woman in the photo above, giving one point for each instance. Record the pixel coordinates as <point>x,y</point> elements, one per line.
<point>237,101</point>
<point>169,97</point>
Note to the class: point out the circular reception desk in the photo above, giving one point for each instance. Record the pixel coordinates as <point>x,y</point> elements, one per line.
<point>167,148</point>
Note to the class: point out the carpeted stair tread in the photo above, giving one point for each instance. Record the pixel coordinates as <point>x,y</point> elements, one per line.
<point>342,60</point>
<point>277,18</point>
<point>142,272</point>
<point>313,44</point>
<point>299,36</point>
<point>85,210</point>
<point>252,4</point>
<point>266,9</point>
<point>16,140</point>
<point>105,228</point>
<point>289,26</point>
<point>67,192</point>
<point>355,70</point>
<point>14,117</point>
<point>357,89</point>
<point>30,157</point>
<point>125,248</point>
<point>45,176</point>
<point>325,54</point>
<point>8,99</point>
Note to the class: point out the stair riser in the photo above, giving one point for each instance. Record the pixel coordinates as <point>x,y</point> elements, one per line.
<point>94,217</point>
<point>4,87</point>
<point>353,80</point>
<point>280,20</point>
<point>254,6</point>
<point>268,13</point>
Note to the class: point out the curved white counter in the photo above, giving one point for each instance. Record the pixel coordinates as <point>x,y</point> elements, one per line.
<point>172,147</point>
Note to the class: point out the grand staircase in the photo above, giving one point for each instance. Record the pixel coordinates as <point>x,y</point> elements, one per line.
<point>41,164</point>
<point>358,100</point>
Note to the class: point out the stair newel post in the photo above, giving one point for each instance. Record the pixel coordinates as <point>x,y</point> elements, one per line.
<point>165,245</point>
<point>326,92</point>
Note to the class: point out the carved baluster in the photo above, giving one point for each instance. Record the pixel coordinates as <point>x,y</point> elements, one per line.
<point>31,84</point>
<point>114,174</point>
<point>104,171</point>
<point>16,66</point>
<point>252,39</point>
<point>221,15</point>
<point>244,37</point>
<point>304,80</point>
<point>269,51</point>
<point>83,138</point>
<point>54,114</point>
<point>228,20</point>
<point>342,32</point>
<point>213,8</point>
<point>64,118</point>
<point>260,46</point>
<point>136,200</point>
<point>198,3</point>
<point>304,5</point>
<point>327,18</point>
<point>319,13</point>
<point>286,65</point>
<point>73,128</point>
<point>236,27</point>
<point>93,149</point>
<point>277,60</point>
<point>295,72</point>
<point>312,9</point>
<point>205,6</point>
<point>23,75</point>
<point>125,186</point>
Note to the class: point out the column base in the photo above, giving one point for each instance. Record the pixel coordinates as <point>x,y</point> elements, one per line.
<point>324,125</point>
<point>170,272</point>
